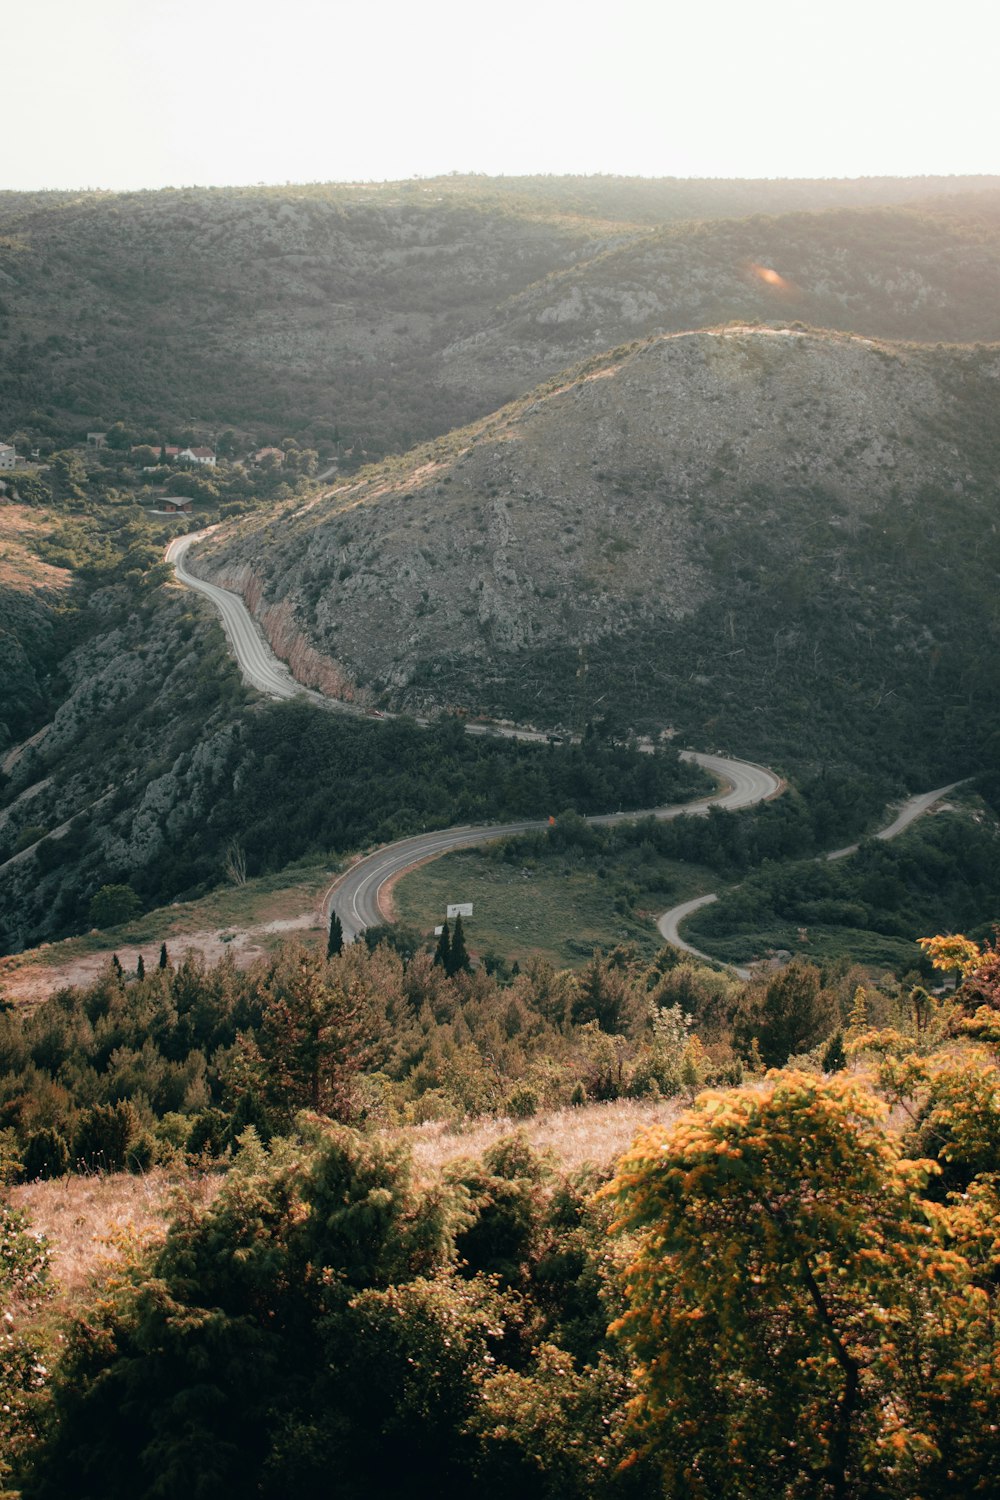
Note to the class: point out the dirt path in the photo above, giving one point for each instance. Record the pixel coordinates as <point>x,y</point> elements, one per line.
<point>27,978</point>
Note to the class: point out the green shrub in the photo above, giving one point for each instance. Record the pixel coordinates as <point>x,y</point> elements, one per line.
<point>522,1102</point>
<point>46,1154</point>
<point>104,1135</point>
<point>114,904</point>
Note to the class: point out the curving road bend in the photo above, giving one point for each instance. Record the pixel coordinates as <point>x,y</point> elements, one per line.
<point>914,807</point>
<point>260,667</point>
<point>258,663</point>
<point>356,895</point>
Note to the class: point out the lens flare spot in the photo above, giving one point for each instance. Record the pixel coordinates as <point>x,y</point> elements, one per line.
<point>770,277</point>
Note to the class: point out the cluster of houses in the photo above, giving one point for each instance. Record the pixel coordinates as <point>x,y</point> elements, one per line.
<point>166,453</point>
<point>204,457</point>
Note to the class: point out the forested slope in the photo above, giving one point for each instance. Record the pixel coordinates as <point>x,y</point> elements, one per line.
<point>384,314</point>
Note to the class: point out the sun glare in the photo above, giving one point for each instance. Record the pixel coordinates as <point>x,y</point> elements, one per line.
<point>770,277</point>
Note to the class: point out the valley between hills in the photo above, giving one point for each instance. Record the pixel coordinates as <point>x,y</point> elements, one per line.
<point>758,537</point>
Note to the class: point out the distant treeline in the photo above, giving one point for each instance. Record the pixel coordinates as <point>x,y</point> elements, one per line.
<point>371,290</point>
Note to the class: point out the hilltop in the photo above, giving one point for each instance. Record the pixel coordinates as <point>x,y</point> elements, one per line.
<point>770,538</point>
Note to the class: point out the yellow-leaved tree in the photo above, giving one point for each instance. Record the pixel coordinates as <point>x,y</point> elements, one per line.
<point>802,1321</point>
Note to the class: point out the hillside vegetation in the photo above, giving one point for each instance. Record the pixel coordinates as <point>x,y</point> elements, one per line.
<point>782,1266</point>
<point>379,315</point>
<point>766,539</point>
<point>674,508</point>
<point>773,542</point>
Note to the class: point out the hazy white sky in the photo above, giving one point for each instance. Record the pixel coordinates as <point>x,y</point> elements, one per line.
<point>143,93</point>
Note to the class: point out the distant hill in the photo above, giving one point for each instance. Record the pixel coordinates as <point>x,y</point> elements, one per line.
<point>783,541</point>
<point>380,315</point>
<point>925,272</point>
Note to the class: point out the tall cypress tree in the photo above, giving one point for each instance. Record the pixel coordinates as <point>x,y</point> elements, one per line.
<point>140,968</point>
<point>442,953</point>
<point>164,959</point>
<point>458,960</point>
<point>335,942</point>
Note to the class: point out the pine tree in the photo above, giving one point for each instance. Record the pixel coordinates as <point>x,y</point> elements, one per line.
<point>335,942</point>
<point>442,953</point>
<point>857,1021</point>
<point>835,1058</point>
<point>792,1015</point>
<point>458,959</point>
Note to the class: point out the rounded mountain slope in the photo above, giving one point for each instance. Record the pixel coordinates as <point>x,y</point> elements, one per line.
<point>695,492</point>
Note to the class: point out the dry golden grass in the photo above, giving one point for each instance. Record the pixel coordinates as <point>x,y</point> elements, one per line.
<point>20,568</point>
<point>87,1219</point>
<point>248,921</point>
<point>595,1133</point>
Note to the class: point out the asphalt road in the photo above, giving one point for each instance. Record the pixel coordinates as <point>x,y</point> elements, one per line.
<point>258,663</point>
<point>355,896</point>
<point>913,808</point>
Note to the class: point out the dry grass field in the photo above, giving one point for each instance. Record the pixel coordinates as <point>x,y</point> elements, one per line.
<point>90,1220</point>
<point>594,1133</point>
<point>247,920</point>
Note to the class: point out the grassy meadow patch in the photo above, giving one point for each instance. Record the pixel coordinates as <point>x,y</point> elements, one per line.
<point>553,908</point>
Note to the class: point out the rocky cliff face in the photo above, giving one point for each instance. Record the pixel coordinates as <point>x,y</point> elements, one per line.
<point>657,487</point>
<point>134,756</point>
<point>284,635</point>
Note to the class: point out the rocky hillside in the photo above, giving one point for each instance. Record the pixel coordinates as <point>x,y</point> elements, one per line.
<point>382,315</point>
<point>925,272</point>
<point>117,783</point>
<point>781,541</point>
<point>31,591</point>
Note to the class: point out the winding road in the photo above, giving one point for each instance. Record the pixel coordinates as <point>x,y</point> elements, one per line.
<point>914,807</point>
<point>355,895</point>
<point>258,663</point>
